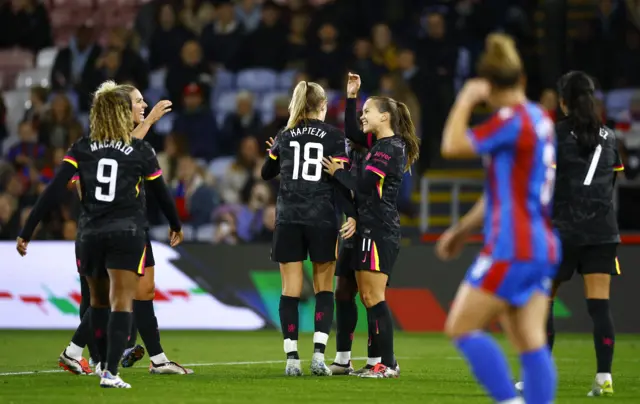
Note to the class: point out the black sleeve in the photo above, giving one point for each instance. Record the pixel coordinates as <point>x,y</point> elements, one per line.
<point>344,200</point>
<point>351,126</point>
<point>48,199</point>
<point>163,196</point>
<point>270,168</point>
<point>346,179</point>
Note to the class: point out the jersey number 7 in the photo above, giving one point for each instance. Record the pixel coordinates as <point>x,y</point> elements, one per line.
<point>315,162</point>
<point>106,181</point>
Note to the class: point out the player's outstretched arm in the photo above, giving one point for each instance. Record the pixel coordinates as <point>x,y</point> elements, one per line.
<point>351,125</point>
<point>48,198</point>
<point>158,111</point>
<point>163,196</point>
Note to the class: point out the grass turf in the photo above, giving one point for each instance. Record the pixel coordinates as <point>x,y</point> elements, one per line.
<point>432,372</point>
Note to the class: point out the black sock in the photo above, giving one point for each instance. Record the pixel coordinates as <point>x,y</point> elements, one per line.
<point>551,331</point>
<point>372,346</point>
<point>145,319</point>
<point>603,332</point>
<point>346,320</point>
<point>289,319</point>
<point>133,332</point>
<point>323,319</point>
<point>383,328</point>
<point>99,322</point>
<point>119,327</point>
<point>85,297</point>
<point>82,336</point>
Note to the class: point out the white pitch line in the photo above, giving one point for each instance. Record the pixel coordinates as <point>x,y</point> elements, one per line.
<point>35,372</point>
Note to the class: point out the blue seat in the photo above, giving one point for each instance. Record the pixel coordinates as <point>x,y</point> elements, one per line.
<point>152,95</point>
<point>285,79</point>
<point>257,80</point>
<point>225,80</point>
<point>165,125</point>
<point>267,107</point>
<point>619,100</point>
<point>225,104</point>
<point>157,78</point>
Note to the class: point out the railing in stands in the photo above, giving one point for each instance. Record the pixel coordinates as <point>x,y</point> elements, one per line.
<point>456,183</point>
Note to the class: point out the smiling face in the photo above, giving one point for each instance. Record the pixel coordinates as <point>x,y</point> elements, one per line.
<point>372,119</point>
<point>138,106</point>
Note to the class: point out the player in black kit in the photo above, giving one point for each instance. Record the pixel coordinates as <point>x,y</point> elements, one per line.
<point>143,311</point>
<point>111,166</point>
<point>584,214</point>
<point>306,219</point>
<point>393,148</point>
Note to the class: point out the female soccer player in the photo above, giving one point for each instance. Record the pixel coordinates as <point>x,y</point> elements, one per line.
<point>306,219</point>
<point>511,276</point>
<point>583,213</point>
<point>395,149</point>
<point>145,320</point>
<point>110,164</point>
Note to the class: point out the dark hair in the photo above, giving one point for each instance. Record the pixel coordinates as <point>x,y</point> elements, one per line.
<point>402,125</point>
<point>576,91</point>
<point>500,62</point>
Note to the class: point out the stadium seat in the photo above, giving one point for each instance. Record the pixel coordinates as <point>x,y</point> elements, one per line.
<point>16,103</point>
<point>257,80</point>
<point>618,101</point>
<point>204,233</point>
<point>285,79</point>
<point>33,77</point>
<point>267,106</point>
<point>219,166</point>
<point>46,57</point>
<point>226,102</point>
<point>157,78</point>
<point>225,80</point>
<point>152,96</point>
<point>165,125</point>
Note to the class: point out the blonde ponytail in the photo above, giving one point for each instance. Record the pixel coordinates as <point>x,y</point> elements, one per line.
<point>500,62</point>
<point>308,97</point>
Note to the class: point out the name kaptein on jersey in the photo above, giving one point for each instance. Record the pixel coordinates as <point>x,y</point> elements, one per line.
<point>125,148</point>
<point>308,130</point>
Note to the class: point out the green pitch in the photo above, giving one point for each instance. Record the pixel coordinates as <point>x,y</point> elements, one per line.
<point>432,372</point>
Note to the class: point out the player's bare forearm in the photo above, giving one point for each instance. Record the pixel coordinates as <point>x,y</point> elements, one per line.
<point>79,189</point>
<point>472,221</point>
<point>455,142</point>
<point>141,130</point>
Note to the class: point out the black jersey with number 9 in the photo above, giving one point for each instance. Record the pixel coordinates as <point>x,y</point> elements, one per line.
<point>307,193</point>
<point>111,176</point>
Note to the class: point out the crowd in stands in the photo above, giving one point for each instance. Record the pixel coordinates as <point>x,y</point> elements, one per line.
<point>229,67</point>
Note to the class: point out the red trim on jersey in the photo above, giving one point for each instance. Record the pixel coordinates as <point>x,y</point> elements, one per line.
<point>520,183</point>
<point>369,140</point>
<point>488,128</point>
<point>495,275</point>
<point>492,238</point>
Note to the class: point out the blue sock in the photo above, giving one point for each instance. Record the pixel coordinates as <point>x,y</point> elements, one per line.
<point>540,378</point>
<point>488,365</point>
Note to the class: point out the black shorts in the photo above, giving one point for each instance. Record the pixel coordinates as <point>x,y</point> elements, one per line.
<point>149,260</point>
<point>587,259</point>
<point>375,255</point>
<point>117,250</point>
<point>346,264</point>
<point>294,242</point>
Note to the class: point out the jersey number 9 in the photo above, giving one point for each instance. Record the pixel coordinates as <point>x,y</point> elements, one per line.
<point>106,181</point>
<point>310,164</point>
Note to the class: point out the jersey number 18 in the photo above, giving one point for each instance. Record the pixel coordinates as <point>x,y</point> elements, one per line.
<point>309,161</point>
<point>106,181</point>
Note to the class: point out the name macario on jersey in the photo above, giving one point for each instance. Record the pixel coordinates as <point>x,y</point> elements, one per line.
<point>123,147</point>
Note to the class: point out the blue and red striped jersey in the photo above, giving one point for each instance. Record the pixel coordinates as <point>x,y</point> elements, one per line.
<point>518,146</point>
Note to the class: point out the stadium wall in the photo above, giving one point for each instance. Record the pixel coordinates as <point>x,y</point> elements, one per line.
<point>238,288</point>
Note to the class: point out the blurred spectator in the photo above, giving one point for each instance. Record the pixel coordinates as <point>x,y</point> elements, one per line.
<point>245,121</point>
<point>628,134</point>
<point>586,54</point>
<point>268,225</point>
<point>3,123</point>
<point>328,61</point>
<point>195,14</point>
<point>199,125</point>
<point>549,101</point>
<point>243,172</point>
<point>27,152</point>
<point>226,229</point>
<point>411,73</point>
<point>195,200</point>
<point>190,69</point>
<point>266,47</point>
<point>279,121</point>
<point>167,38</point>
<point>222,40</point>
<point>132,67</point>
<point>38,109</point>
<point>627,63</point>
<point>25,24</point>
<point>364,66</point>
<point>249,12</point>
<point>175,146</point>
<point>59,127</point>
<point>297,39</point>
<point>74,65</point>
<point>249,217</point>
<point>384,53</point>
<point>392,85</point>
